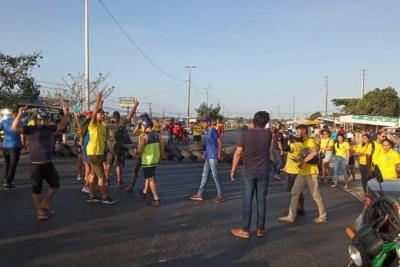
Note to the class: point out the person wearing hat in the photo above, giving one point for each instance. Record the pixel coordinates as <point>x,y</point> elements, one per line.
<point>150,149</point>
<point>211,156</point>
<point>115,143</point>
<point>95,151</point>
<point>40,142</point>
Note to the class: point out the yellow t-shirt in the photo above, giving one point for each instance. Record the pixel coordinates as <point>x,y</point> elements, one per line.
<point>327,143</point>
<point>377,151</point>
<point>309,169</point>
<point>197,130</point>
<point>97,142</point>
<point>340,149</point>
<point>387,164</point>
<point>367,150</point>
<point>291,166</point>
<point>156,127</point>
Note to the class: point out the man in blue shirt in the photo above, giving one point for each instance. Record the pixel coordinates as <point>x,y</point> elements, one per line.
<point>211,156</point>
<point>11,151</point>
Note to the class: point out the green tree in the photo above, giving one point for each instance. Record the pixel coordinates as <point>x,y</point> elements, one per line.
<point>378,102</point>
<point>315,115</point>
<point>16,81</point>
<point>213,112</point>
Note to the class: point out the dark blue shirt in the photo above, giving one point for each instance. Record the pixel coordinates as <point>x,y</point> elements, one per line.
<point>11,138</point>
<point>212,144</point>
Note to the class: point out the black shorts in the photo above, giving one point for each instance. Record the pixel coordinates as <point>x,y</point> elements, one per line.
<point>290,179</point>
<point>40,172</point>
<point>149,172</point>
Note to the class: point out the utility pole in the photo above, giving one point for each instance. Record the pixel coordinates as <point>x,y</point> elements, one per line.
<point>326,94</point>
<point>294,107</point>
<point>87,55</point>
<point>208,88</point>
<point>163,114</point>
<point>190,83</point>
<point>363,82</point>
<point>150,113</point>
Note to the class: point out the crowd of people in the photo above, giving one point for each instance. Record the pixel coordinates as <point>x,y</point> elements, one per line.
<point>296,155</point>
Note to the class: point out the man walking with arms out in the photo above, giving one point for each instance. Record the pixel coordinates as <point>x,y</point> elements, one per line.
<point>254,147</point>
<point>308,175</point>
<point>212,154</point>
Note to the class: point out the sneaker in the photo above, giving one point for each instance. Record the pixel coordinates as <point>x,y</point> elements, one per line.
<point>156,202</point>
<point>85,189</point>
<point>219,199</point>
<point>240,233</point>
<point>92,199</point>
<point>197,197</point>
<point>108,200</point>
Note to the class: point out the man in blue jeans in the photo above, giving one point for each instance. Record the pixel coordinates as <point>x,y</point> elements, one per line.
<point>211,156</point>
<point>254,146</point>
<point>12,146</point>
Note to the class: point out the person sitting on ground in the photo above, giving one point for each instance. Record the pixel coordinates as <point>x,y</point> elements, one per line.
<point>40,142</point>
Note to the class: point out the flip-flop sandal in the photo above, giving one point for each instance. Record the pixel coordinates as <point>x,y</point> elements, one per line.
<point>42,217</point>
<point>50,211</point>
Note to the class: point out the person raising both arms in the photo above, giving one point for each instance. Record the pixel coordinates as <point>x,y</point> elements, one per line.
<point>95,151</point>
<point>40,142</point>
<point>115,143</point>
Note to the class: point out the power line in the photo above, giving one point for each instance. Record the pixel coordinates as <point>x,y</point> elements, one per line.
<point>136,45</point>
<point>164,91</point>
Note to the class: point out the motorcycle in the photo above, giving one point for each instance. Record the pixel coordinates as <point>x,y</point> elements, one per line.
<point>375,234</point>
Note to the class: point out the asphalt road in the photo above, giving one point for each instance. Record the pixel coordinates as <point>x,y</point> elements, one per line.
<point>178,233</point>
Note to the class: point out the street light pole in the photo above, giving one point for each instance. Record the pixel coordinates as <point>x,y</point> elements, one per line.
<point>87,55</point>
<point>189,87</point>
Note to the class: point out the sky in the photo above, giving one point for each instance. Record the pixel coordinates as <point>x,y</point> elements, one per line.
<point>253,55</point>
